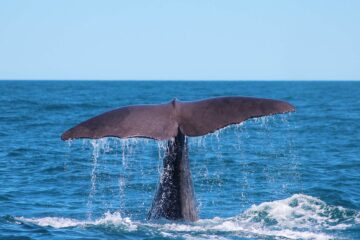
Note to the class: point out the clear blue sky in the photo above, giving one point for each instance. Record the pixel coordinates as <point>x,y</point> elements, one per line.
<point>195,39</point>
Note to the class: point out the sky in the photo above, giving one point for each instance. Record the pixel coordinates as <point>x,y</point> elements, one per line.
<point>180,40</point>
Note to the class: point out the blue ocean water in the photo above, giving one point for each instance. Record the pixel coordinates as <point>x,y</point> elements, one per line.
<point>294,176</point>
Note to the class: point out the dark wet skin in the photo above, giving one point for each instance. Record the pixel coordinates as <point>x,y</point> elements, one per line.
<point>175,198</point>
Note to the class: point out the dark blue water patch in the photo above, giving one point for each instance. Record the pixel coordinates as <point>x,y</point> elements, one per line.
<point>9,232</point>
<point>19,151</point>
<point>244,176</point>
<point>6,197</point>
<point>17,236</point>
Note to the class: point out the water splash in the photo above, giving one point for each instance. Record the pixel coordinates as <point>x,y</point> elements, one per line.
<point>69,142</point>
<point>122,185</point>
<point>108,219</point>
<point>114,163</point>
<point>162,151</point>
<point>96,144</point>
<point>297,217</point>
<point>127,149</point>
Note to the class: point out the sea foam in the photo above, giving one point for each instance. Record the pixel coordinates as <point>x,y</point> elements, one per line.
<point>297,217</point>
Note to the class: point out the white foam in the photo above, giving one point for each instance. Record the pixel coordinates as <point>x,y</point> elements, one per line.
<point>297,217</point>
<point>217,226</point>
<point>357,219</point>
<point>59,222</point>
<point>55,222</point>
<point>238,229</point>
<point>299,211</point>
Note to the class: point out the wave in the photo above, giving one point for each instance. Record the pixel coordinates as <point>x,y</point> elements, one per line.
<point>297,217</point>
<point>108,219</point>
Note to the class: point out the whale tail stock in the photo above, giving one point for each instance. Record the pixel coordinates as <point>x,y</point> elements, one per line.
<point>162,121</point>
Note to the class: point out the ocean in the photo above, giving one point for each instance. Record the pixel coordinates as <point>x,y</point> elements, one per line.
<point>292,176</point>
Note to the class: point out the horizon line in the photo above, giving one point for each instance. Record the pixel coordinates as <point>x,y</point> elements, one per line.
<point>192,80</point>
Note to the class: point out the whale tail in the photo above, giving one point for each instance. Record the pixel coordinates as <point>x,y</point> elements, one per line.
<point>162,121</point>
<point>175,198</point>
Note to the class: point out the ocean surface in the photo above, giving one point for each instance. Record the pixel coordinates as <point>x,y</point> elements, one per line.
<point>293,176</point>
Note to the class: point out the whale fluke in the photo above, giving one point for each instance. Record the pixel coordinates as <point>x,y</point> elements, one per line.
<point>162,121</point>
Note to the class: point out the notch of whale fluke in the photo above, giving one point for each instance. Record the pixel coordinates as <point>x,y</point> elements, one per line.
<point>162,121</point>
